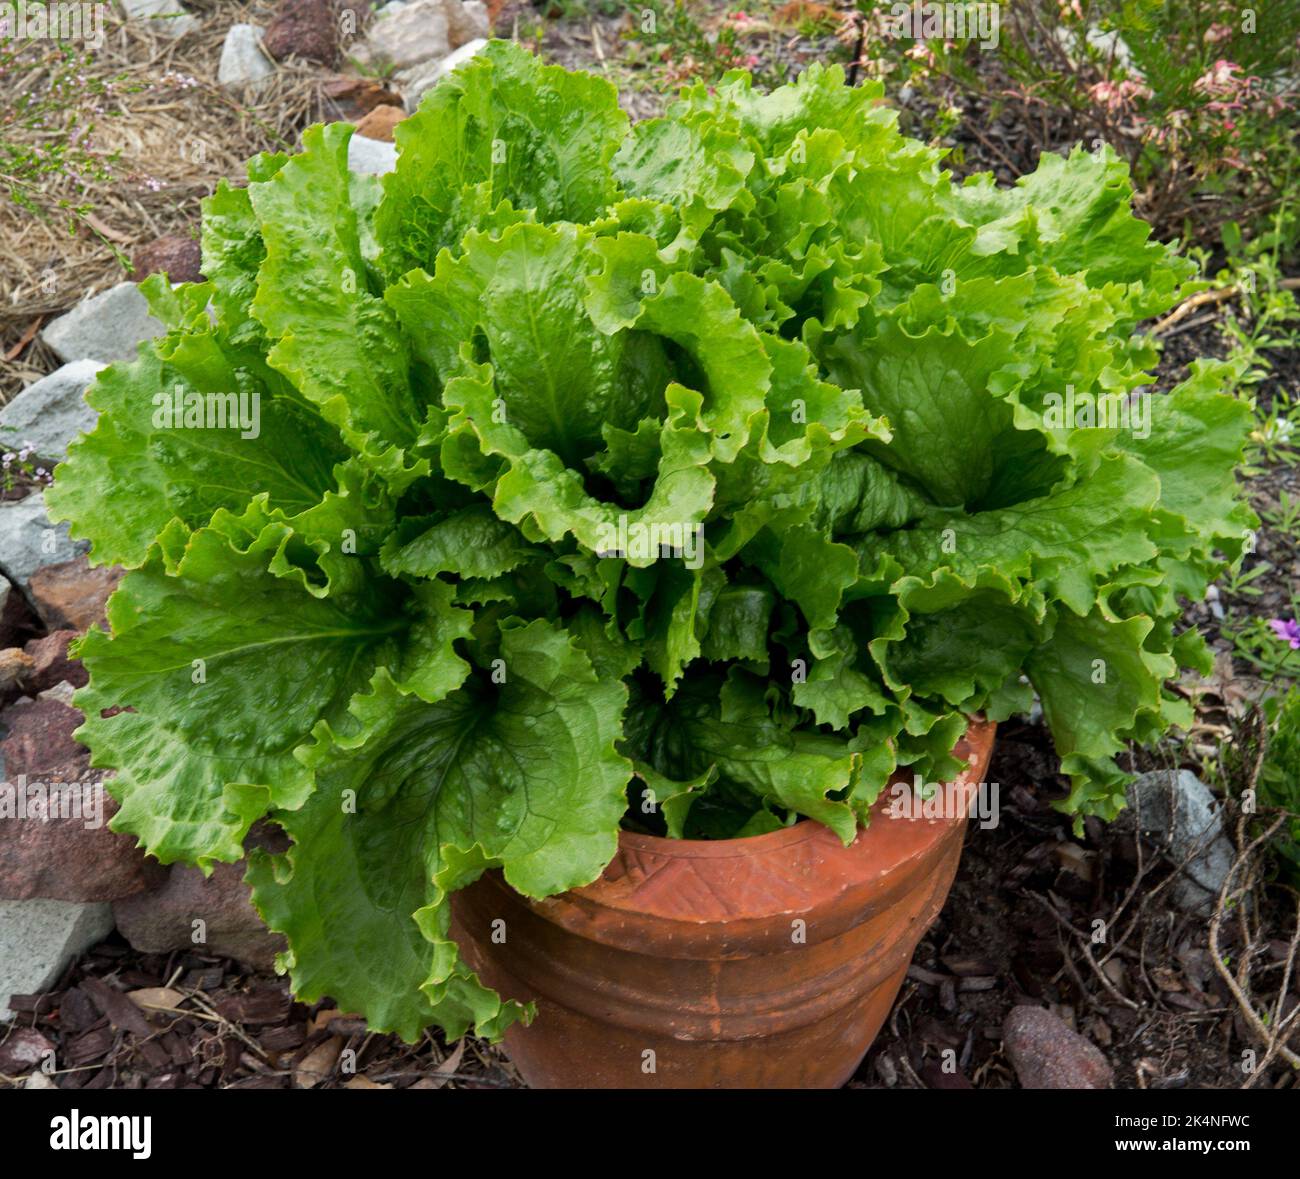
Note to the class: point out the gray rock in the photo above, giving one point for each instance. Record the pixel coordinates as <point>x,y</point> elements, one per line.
<point>371,156</point>
<point>243,64</point>
<point>52,412</point>
<point>468,20</point>
<point>392,8</point>
<point>105,327</point>
<point>417,82</point>
<point>5,587</point>
<point>1047,1054</point>
<point>39,938</point>
<point>28,541</point>
<point>1180,810</point>
<point>420,31</point>
<point>166,16</point>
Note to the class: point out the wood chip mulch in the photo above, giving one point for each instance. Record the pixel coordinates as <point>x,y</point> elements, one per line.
<point>123,1020</point>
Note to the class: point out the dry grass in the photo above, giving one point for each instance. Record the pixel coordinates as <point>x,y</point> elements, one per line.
<point>173,141</point>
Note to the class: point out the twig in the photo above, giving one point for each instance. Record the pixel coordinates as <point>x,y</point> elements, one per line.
<point>1218,295</point>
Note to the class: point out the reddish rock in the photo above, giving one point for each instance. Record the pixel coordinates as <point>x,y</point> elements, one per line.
<point>51,663</point>
<point>354,97</point>
<point>15,669</point>
<point>1047,1054</point>
<point>174,254</point>
<point>54,837</point>
<point>162,921</point>
<point>24,1049</point>
<point>379,123</point>
<point>304,28</point>
<point>71,596</point>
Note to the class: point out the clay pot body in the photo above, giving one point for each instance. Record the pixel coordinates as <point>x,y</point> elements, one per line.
<point>767,962</point>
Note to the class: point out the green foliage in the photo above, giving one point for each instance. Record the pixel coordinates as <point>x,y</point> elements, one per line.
<point>1279,778</point>
<point>49,109</point>
<point>681,49</point>
<point>717,462</point>
<point>1199,97</point>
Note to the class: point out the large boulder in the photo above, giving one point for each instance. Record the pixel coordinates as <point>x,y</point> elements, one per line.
<point>212,914</point>
<point>105,327</point>
<point>55,843</point>
<point>50,413</point>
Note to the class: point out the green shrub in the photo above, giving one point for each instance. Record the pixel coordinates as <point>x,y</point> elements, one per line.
<point>1199,97</point>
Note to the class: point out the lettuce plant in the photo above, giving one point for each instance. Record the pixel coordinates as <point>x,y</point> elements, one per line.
<point>694,475</point>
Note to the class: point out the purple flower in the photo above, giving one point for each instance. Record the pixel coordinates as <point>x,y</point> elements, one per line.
<point>1288,630</point>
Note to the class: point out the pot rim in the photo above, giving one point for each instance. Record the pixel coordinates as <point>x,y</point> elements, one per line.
<point>978,739</point>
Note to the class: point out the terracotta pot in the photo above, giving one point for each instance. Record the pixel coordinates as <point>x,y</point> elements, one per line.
<point>767,962</point>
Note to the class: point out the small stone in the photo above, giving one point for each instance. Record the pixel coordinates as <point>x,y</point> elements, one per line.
<point>304,28</point>
<point>105,327</point>
<point>72,595</point>
<point>419,32</point>
<point>1181,811</point>
<point>39,938</point>
<point>51,412</point>
<point>371,156</point>
<point>28,541</point>
<point>63,692</point>
<point>164,16</point>
<point>51,664</point>
<point>15,670</point>
<point>243,65</point>
<point>23,1049</point>
<point>416,83</point>
<point>174,254</point>
<point>379,123</point>
<point>1048,1055</point>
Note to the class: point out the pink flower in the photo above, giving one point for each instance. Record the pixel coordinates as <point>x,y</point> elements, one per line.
<point>1116,96</point>
<point>1288,630</point>
<point>1216,33</point>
